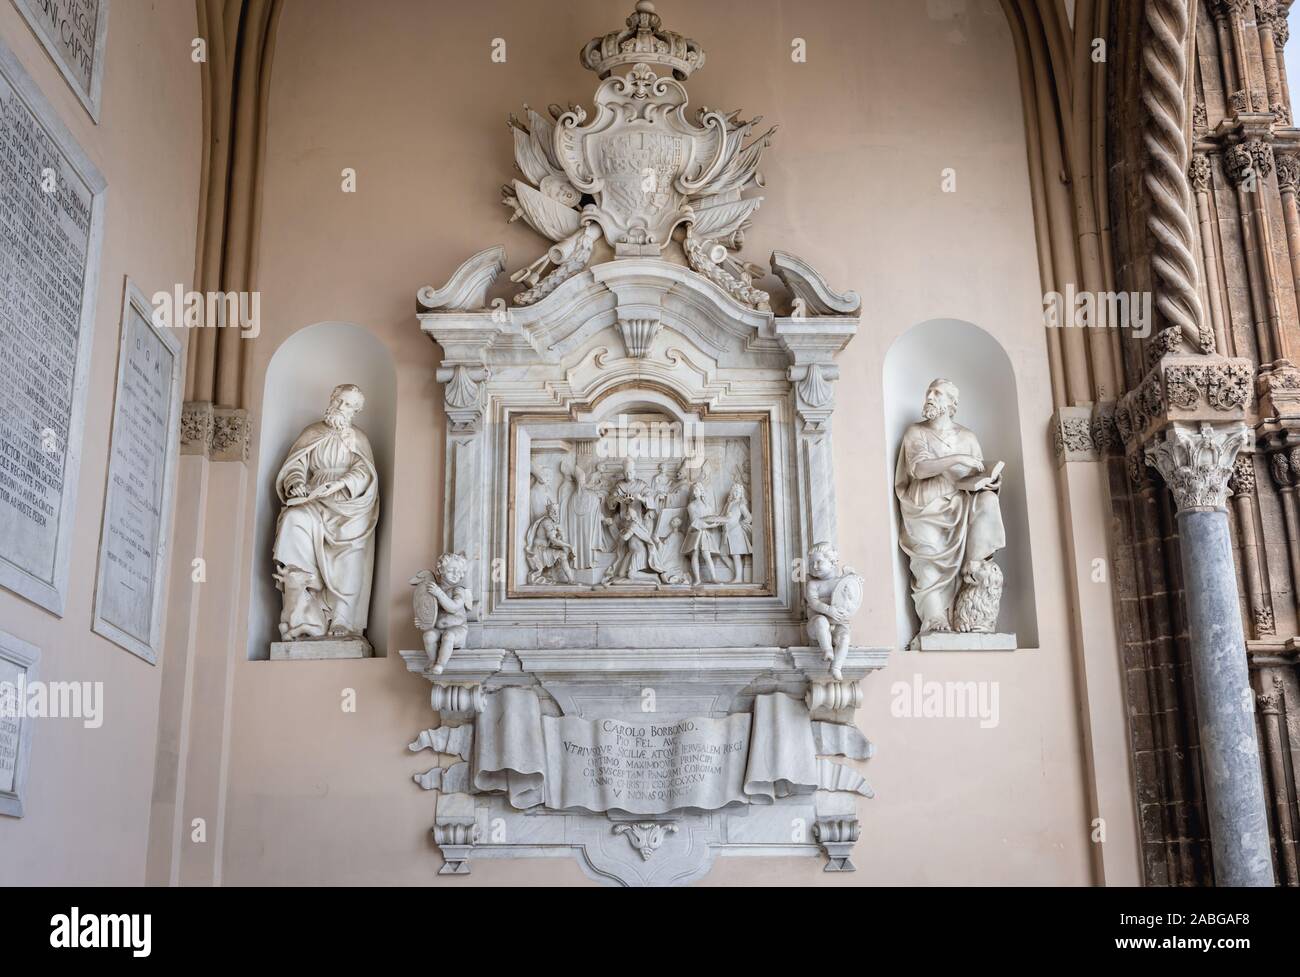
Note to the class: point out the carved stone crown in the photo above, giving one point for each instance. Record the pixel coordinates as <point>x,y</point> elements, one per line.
<point>643,42</point>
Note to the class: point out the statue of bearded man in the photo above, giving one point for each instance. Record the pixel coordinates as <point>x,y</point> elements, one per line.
<point>325,537</point>
<point>952,521</point>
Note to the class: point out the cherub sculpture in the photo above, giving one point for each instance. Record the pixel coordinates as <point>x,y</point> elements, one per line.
<point>442,608</point>
<point>832,595</point>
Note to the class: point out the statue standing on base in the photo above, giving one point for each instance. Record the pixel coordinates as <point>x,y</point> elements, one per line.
<point>442,608</point>
<point>951,520</point>
<point>325,536</point>
<point>832,595</point>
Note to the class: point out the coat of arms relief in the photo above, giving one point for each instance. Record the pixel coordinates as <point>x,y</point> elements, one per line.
<point>639,169</point>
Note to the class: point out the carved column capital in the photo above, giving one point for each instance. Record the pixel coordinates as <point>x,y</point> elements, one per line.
<point>1251,158</point>
<point>1196,462</point>
<point>218,433</point>
<point>1198,172</point>
<point>1288,172</point>
<point>1072,435</point>
<point>196,427</point>
<point>1242,481</point>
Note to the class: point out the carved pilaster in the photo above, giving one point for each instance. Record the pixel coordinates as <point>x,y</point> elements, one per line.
<point>812,344</point>
<point>1196,462</point>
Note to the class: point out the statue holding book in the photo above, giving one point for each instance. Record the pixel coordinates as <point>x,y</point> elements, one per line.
<point>951,519</point>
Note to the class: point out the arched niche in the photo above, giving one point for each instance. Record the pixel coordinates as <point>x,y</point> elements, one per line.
<point>975,361</point>
<point>301,374</point>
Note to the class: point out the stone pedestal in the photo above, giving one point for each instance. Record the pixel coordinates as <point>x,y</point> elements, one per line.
<point>309,649</point>
<point>964,641</point>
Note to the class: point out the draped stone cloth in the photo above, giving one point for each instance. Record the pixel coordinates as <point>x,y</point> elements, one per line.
<point>650,765</point>
<point>332,536</point>
<point>944,525</point>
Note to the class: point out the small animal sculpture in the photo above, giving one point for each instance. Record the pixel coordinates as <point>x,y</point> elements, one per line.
<point>980,597</point>
<point>304,613</point>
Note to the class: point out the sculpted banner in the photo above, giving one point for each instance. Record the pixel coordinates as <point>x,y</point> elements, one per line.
<point>657,765</point>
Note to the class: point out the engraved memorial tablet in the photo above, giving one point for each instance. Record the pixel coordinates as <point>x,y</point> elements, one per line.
<point>137,503</point>
<point>18,661</point>
<point>74,32</point>
<point>50,215</point>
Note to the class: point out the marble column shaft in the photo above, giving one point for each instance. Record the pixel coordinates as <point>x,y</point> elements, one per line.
<point>1196,465</point>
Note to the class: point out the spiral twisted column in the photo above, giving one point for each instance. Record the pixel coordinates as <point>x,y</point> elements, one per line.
<point>1164,68</point>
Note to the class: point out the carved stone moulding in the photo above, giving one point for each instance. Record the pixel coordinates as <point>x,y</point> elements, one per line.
<point>1184,388</point>
<point>219,433</point>
<point>1083,433</point>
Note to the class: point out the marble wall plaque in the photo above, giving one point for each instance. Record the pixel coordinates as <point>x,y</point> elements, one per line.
<point>141,465</point>
<point>74,32</point>
<point>18,664</point>
<point>51,214</point>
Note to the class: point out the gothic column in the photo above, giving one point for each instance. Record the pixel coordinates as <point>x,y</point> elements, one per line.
<point>1196,462</point>
<point>1260,600</point>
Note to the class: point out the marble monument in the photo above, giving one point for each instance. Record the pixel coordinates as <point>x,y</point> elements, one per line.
<point>638,457</point>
